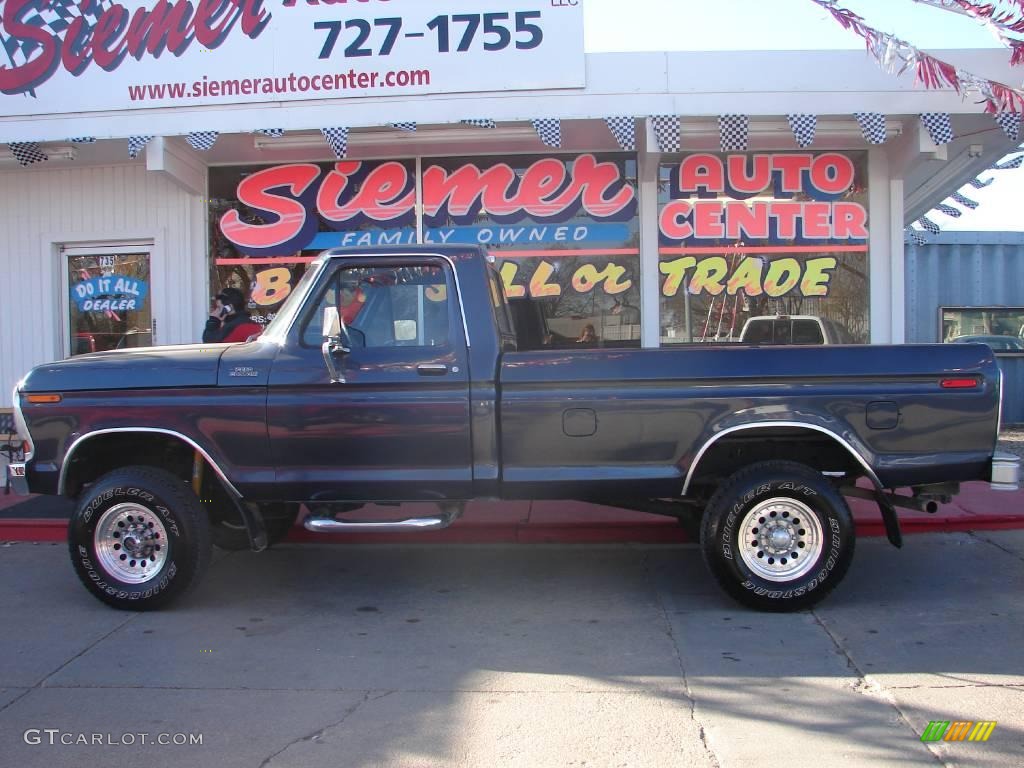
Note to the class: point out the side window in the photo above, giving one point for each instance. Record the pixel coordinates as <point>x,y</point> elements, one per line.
<point>386,306</point>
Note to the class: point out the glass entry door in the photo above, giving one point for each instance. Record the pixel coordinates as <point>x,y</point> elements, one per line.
<point>109,296</point>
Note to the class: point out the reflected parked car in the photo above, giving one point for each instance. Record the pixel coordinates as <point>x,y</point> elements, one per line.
<point>997,343</point>
<point>793,329</point>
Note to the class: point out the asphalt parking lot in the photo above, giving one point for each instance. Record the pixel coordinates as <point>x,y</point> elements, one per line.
<point>604,655</point>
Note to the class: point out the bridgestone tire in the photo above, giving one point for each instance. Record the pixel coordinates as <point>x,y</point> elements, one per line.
<point>139,539</point>
<point>749,523</point>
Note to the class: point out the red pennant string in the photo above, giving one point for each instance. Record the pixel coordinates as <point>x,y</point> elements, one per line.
<point>1005,23</point>
<point>930,71</point>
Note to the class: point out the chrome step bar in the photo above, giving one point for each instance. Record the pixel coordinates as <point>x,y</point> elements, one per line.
<point>337,525</point>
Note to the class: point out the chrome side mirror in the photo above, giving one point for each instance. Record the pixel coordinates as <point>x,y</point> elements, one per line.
<point>333,326</point>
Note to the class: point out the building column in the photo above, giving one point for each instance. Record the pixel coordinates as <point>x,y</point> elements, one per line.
<point>648,157</point>
<point>883,219</point>
<point>897,264</point>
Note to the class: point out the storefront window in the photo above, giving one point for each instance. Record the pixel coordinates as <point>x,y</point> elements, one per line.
<point>768,248</point>
<point>269,222</point>
<point>563,230</point>
<point>1002,328</point>
<point>565,235</point>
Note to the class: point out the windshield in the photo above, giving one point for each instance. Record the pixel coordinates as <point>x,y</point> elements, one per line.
<point>278,327</point>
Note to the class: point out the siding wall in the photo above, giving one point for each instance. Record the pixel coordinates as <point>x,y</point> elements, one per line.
<point>41,209</point>
<point>968,269</point>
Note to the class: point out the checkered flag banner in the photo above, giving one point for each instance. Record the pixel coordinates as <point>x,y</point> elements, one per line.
<point>803,127</point>
<point>872,126</point>
<point>480,123</point>
<point>733,131</point>
<point>83,140</point>
<point>1010,123</point>
<point>202,141</point>
<point>917,236</point>
<point>965,201</point>
<point>938,126</point>
<point>949,210</point>
<point>407,127</point>
<point>550,131</point>
<point>666,130</point>
<point>624,131</point>
<point>274,133</point>
<point>337,138</point>
<point>928,225</point>
<point>979,184</point>
<point>1009,164</point>
<point>136,144</point>
<point>27,152</point>
<point>54,18</point>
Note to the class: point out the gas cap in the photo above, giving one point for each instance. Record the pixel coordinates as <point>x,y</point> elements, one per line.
<point>579,422</point>
<point>882,414</point>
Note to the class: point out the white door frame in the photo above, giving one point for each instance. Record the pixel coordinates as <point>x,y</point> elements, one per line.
<point>99,248</point>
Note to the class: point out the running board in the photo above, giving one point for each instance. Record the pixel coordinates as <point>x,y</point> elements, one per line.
<point>335,525</point>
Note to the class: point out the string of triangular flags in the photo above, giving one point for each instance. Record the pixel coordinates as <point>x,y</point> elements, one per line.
<point>734,130</point>
<point>896,56</point>
<point>927,226</point>
<point>1005,21</point>
<point>734,133</point>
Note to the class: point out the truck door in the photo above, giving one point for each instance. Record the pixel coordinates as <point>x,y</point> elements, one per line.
<point>397,428</point>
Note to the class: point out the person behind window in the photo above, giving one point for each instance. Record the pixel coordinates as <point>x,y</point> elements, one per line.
<point>588,335</point>
<point>229,319</point>
<point>351,301</point>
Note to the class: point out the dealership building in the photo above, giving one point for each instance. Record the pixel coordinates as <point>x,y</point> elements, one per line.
<point>662,198</point>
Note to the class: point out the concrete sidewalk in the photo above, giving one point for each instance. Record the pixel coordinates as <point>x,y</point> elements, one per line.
<point>977,507</point>
<point>513,656</point>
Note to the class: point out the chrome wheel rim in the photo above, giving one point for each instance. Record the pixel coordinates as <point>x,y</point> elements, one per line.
<point>131,543</point>
<point>780,539</point>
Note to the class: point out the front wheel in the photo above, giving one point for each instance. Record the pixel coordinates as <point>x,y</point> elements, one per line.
<point>777,536</point>
<point>138,538</point>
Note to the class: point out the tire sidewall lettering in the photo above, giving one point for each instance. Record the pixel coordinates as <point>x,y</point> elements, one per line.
<point>105,582</point>
<point>728,540</point>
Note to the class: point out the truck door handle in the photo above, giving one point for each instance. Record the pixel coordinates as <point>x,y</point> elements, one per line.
<point>432,369</point>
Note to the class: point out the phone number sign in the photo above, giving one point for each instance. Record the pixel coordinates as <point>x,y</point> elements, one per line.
<point>66,57</point>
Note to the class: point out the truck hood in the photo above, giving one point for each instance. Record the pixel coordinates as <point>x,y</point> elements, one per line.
<point>188,365</point>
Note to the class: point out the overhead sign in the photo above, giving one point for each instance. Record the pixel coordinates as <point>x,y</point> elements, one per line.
<point>66,56</point>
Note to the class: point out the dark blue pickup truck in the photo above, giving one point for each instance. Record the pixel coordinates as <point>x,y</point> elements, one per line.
<point>421,392</point>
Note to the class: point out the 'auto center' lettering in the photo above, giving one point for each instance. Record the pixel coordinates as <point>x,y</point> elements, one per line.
<point>732,215</point>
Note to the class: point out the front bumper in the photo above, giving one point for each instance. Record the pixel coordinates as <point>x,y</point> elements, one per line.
<point>1005,471</point>
<point>17,478</point>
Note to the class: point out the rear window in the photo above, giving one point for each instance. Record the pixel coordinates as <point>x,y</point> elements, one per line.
<point>806,332</point>
<point>758,332</point>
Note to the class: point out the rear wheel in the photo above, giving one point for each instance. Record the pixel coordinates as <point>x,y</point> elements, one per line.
<point>138,538</point>
<point>777,536</point>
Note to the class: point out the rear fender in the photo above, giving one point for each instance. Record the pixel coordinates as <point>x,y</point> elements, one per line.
<point>742,423</point>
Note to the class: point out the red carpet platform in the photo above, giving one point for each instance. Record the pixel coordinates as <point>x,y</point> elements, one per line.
<point>978,507</point>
